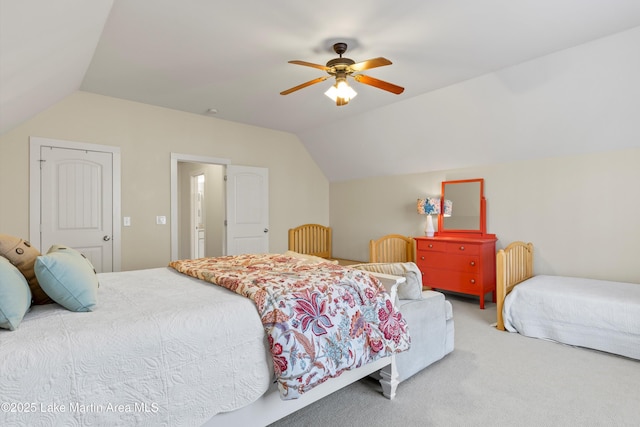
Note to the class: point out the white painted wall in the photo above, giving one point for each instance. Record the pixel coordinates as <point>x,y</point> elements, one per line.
<point>298,190</point>
<point>581,212</point>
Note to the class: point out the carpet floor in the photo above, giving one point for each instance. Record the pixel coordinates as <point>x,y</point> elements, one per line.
<point>492,378</point>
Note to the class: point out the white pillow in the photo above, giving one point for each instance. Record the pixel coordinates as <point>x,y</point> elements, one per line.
<point>411,288</point>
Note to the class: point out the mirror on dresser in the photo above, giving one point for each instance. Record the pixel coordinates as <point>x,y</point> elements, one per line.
<point>468,209</point>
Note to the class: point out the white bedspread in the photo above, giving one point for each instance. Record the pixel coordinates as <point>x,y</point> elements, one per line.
<point>589,313</point>
<point>154,352</point>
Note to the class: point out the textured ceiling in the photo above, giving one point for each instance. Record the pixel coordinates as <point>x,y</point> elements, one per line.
<point>196,55</point>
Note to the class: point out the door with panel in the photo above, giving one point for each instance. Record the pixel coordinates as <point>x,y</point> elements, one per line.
<point>247,210</point>
<point>76,209</point>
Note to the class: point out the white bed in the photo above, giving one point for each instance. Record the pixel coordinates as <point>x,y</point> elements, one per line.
<point>140,358</point>
<point>588,313</point>
<point>597,314</point>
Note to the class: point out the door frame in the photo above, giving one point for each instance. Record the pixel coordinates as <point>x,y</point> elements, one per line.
<point>185,158</point>
<point>35,145</point>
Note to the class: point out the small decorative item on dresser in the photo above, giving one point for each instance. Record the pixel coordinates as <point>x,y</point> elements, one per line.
<point>430,206</point>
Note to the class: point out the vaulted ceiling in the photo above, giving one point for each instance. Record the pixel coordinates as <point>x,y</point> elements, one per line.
<point>197,55</point>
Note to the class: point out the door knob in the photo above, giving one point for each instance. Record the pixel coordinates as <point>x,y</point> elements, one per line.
<point>106,238</point>
<point>266,230</point>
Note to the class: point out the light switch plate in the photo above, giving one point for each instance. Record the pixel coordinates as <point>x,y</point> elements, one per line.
<point>126,221</point>
<point>161,220</point>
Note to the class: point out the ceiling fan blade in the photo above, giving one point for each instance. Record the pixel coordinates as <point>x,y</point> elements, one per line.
<point>303,85</point>
<point>380,84</point>
<point>370,63</point>
<point>309,64</point>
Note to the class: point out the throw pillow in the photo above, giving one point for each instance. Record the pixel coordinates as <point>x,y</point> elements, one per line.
<point>23,256</point>
<point>15,295</point>
<point>68,278</point>
<point>411,289</point>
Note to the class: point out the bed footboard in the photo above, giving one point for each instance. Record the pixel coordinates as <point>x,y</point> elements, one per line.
<point>514,264</point>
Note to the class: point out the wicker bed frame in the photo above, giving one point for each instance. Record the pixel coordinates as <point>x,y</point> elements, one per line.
<point>514,264</point>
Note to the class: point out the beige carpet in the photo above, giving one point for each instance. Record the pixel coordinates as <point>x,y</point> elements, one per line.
<point>493,378</point>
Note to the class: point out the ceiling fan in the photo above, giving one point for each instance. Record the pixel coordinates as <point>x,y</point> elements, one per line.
<point>340,68</point>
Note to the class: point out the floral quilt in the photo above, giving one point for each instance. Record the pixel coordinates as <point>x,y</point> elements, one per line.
<point>320,319</point>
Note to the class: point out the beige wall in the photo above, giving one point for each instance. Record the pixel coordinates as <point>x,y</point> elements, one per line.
<point>146,135</point>
<point>582,213</point>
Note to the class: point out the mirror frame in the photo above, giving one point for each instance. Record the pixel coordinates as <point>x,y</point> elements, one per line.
<point>482,230</point>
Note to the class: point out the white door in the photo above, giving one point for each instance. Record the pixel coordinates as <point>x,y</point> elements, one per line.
<point>77,203</point>
<point>247,210</point>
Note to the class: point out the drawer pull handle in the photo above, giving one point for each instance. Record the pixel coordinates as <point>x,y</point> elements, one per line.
<point>462,248</point>
<point>472,263</point>
<point>472,280</point>
<point>422,258</point>
<point>430,245</point>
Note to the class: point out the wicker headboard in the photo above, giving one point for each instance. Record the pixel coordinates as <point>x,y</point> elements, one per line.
<point>514,264</point>
<point>311,239</point>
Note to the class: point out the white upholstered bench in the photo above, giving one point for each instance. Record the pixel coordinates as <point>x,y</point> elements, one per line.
<point>429,318</point>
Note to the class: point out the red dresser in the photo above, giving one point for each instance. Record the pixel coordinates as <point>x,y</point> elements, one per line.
<point>459,264</point>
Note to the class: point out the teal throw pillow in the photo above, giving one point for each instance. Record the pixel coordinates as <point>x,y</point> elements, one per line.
<point>15,295</point>
<point>68,278</point>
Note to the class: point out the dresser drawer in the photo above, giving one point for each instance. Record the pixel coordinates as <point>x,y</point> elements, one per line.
<point>463,249</point>
<point>452,280</point>
<point>444,261</point>
<point>430,246</point>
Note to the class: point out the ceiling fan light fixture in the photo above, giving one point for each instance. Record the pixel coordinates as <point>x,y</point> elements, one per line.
<point>341,93</point>
<point>340,68</point>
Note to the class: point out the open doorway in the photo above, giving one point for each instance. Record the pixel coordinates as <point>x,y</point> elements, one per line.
<point>236,213</point>
<point>198,235</point>
<point>201,210</point>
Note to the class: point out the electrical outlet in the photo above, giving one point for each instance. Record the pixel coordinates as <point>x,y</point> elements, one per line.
<point>161,220</point>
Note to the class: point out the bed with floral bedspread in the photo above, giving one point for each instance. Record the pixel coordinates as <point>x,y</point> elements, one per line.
<point>320,319</point>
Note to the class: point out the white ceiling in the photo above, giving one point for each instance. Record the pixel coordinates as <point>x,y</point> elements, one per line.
<point>194,55</point>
